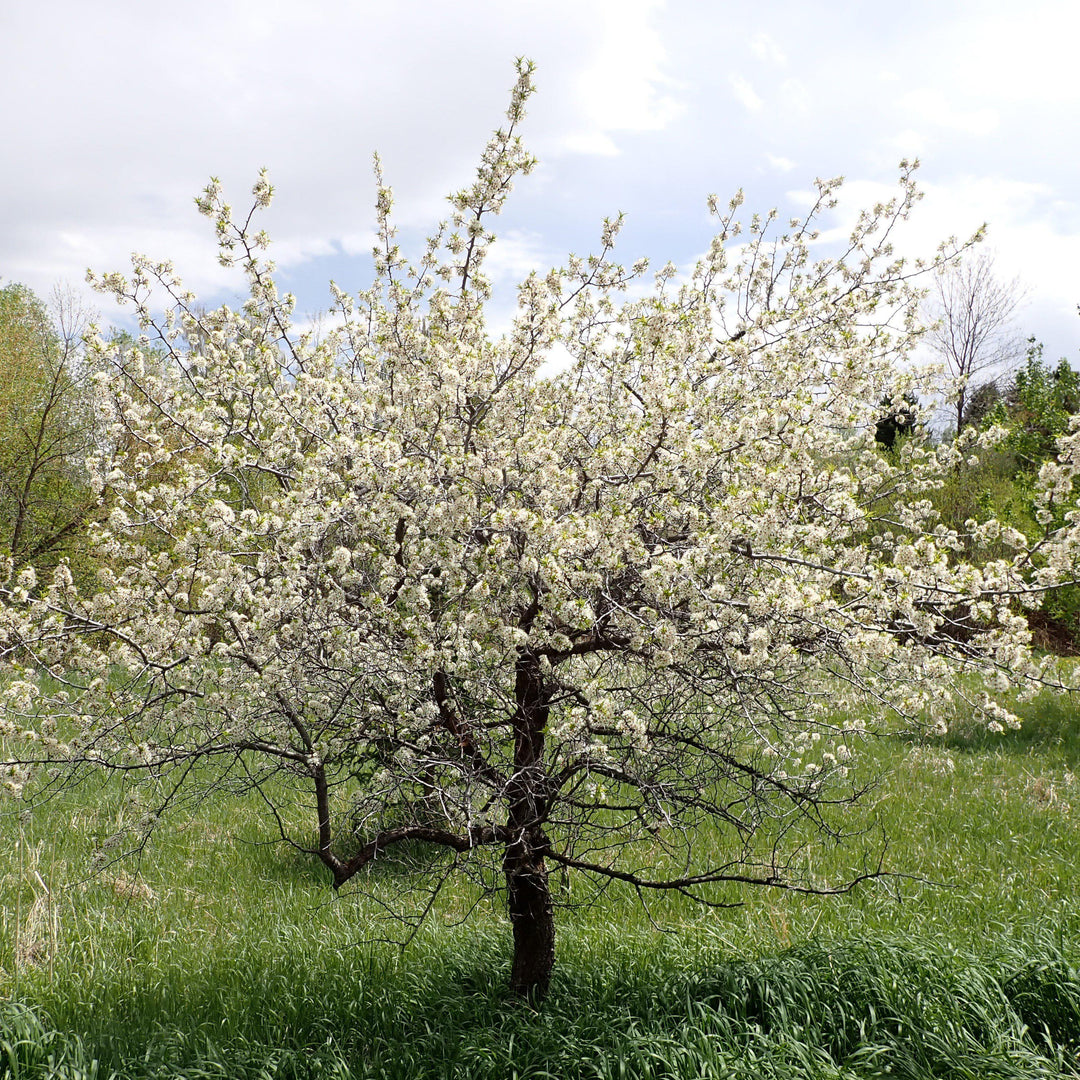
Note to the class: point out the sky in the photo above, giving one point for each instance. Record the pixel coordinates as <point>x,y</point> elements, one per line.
<point>118,111</point>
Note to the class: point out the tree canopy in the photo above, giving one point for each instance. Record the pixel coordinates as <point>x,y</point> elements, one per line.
<point>1038,407</point>
<point>536,620</point>
<point>47,429</point>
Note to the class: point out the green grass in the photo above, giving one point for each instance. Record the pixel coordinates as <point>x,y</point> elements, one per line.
<point>216,955</point>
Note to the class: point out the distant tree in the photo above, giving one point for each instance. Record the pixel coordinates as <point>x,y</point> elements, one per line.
<point>48,427</point>
<point>899,420</point>
<point>574,621</point>
<point>981,403</point>
<point>1038,407</point>
<point>972,330</point>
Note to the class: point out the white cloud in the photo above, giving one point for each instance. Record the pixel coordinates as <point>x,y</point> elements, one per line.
<point>1018,54</point>
<point>1034,235</point>
<point>745,94</point>
<point>933,106</point>
<point>637,109</point>
<point>597,143</point>
<point>516,254</point>
<point>559,359</point>
<point>765,48</point>
<point>358,243</point>
<point>795,96</point>
<point>621,86</point>
<point>114,140</point>
<point>908,143</point>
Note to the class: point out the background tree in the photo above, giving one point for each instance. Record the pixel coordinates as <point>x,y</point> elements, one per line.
<point>1038,408</point>
<point>47,428</point>
<point>439,599</point>
<point>899,421</point>
<point>972,326</point>
<point>981,403</point>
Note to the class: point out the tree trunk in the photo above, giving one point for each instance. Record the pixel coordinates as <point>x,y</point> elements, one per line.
<point>527,894</point>
<point>533,920</point>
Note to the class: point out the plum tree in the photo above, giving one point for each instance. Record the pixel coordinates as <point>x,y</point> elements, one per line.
<point>536,620</point>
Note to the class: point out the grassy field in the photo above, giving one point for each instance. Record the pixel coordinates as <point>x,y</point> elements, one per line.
<point>217,955</point>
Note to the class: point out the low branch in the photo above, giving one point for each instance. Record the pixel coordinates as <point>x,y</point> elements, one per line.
<point>685,885</point>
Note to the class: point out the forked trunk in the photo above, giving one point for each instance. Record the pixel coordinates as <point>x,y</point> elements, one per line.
<point>533,921</point>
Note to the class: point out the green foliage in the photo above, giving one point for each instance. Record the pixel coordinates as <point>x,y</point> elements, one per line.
<point>1037,408</point>
<point>30,1048</point>
<point>47,427</point>
<point>893,1004</point>
<point>980,403</point>
<point>899,420</point>
<point>983,490</point>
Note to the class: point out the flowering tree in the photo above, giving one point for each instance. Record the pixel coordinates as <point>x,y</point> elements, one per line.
<point>551,620</point>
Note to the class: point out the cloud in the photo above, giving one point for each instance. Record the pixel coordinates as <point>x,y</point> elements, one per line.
<point>622,86</point>
<point>781,164</point>
<point>1033,230</point>
<point>1017,55</point>
<point>745,94</point>
<point>908,143</point>
<point>112,142</point>
<point>933,106</point>
<point>516,254</point>
<point>636,110</point>
<point>795,96</point>
<point>358,243</point>
<point>558,359</point>
<point>596,143</point>
<point>765,48</point>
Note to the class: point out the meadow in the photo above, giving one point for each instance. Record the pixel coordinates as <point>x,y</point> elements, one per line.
<point>217,954</point>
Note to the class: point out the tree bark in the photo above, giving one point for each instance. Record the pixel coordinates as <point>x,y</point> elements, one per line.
<point>533,920</point>
<point>527,893</point>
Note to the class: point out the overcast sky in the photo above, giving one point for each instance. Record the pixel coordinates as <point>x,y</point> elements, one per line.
<point>117,112</point>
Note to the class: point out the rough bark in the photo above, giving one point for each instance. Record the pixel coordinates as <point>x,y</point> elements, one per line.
<point>533,921</point>
<point>528,895</point>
